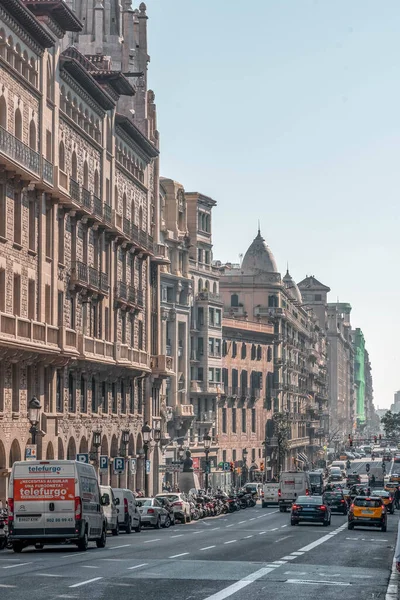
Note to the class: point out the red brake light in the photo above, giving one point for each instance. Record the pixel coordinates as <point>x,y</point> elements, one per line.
<point>279,493</point>
<point>323,507</point>
<point>307,492</point>
<point>10,509</point>
<point>342,501</point>
<point>150,511</point>
<point>352,506</point>
<point>125,505</point>
<point>295,506</point>
<point>78,508</point>
<point>177,504</point>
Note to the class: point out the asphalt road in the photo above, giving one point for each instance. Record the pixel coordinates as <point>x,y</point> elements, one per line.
<point>247,555</point>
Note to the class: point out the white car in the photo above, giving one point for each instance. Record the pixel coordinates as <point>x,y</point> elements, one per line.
<point>180,505</point>
<point>128,512</point>
<point>110,509</point>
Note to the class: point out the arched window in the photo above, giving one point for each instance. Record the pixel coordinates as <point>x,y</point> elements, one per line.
<point>253,352</point>
<point>3,112</point>
<point>272,301</point>
<point>200,285</point>
<point>259,352</point>
<point>18,124</point>
<point>133,211</point>
<point>243,351</point>
<point>234,300</point>
<point>124,207</point>
<point>207,285</point>
<point>32,75</point>
<point>74,167</point>
<point>10,50</point>
<point>269,354</point>
<point>85,175</point>
<point>2,43</point>
<point>61,156</point>
<point>234,349</point>
<point>224,348</point>
<point>215,291</point>
<point>32,135</point>
<point>18,58</point>
<point>116,197</point>
<point>96,183</point>
<point>25,65</point>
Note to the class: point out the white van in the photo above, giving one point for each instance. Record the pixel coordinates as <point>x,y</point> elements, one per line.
<point>110,509</point>
<point>291,485</point>
<point>128,512</point>
<point>269,495</point>
<point>55,501</point>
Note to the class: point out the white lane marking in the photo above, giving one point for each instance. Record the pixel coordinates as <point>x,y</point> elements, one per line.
<point>253,519</point>
<point>278,562</point>
<point>49,574</point>
<point>230,542</point>
<point>215,528</point>
<point>283,526</point>
<point>246,537</point>
<point>88,567</point>
<point>194,532</point>
<point>240,522</point>
<point>207,548</point>
<point>151,541</point>
<point>18,565</point>
<point>85,582</point>
<point>289,558</point>
<point>312,582</point>
<point>285,537</point>
<point>4,585</point>
<point>180,535</point>
<point>392,588</point>
<point>230,525</point>
<point>321,540</point>
<point>275,529</point>
<point>296,573</point>
<point>178,555</point>
<point>123,546</point>
<point>297,553</point>
<point>259,517</point>
<point>261,532</point>
<point>239,585</point>
<point>137,566</point>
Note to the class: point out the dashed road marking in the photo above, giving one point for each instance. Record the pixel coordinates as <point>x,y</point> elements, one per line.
<point>75,585</point>
<point>117,547</point>
<point>178,555</point>
<point>207,548</point>
<point>247,537</point>
<point>49,574</point>
<point>180,535</point>
<point>4,585</point>
<point>230,525</point>
<point>151,541</point>
<point>18,565</point>
<point>312,582</point>
<point>230,542</point>
<point>137,566</point>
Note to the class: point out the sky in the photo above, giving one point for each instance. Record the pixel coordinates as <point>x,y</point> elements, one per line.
<point>287,111</point>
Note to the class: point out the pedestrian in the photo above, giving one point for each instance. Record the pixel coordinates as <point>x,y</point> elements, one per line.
<point>397,498</point>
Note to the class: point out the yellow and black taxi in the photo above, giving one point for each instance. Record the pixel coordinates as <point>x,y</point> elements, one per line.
<point>391,486</point>
<point>387,499</point>
<point>367,511</point>
<point>395,478</point>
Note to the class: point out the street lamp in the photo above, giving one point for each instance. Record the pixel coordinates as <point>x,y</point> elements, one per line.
<point>96,443</point>
<point>34,408</point>
<point>156,431</point>
<point>146,434</point>
<point>207,444</point>
<point>244,468</point>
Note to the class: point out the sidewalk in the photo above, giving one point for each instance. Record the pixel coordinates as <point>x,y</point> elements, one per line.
<point>393,589</point>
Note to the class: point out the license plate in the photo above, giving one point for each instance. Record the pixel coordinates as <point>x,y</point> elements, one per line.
<point>28,519</point>
<point>367,512</point>
<point>308,509</point>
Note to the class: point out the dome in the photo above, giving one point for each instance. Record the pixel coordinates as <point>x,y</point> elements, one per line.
<point>258,258</point>
<point>291,288</point>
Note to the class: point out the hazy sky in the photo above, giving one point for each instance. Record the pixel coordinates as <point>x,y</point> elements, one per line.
<point>287,111</point>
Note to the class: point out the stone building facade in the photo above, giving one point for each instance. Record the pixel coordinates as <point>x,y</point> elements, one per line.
<point>79,251</point>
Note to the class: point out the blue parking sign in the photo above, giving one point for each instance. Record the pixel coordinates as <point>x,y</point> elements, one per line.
<point>148,463</point>
<point>119,464</point>
<point>103,464</point>
<point>82,458</point>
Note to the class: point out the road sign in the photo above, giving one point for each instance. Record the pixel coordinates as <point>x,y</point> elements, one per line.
<point>226,466</point>
<point>148,463</point>
<point>30,452</point>
<point>103,464</point>
<point>132,465</point>
<point>84,458</point>
<point>119,464</point>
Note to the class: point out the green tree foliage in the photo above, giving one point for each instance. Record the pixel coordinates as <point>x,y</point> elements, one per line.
<point>391,424</point>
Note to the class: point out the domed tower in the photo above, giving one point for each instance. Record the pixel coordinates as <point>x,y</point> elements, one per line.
<point>291,288</point>
<point>258,258</point>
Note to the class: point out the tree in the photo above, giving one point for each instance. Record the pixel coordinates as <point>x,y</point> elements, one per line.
<point>391,424</point>
<point>281,431</point>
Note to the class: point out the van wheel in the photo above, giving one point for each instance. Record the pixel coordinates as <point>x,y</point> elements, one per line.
<point>350,526</point>
<point>83,543</point>
<point>128,528</point>
<point>116,530</point>
<point>17,547</point>
<point>281,509</point>
<point>101,542</point>
<point>264,505</point>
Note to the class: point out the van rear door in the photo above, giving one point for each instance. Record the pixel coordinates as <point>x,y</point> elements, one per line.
<point>29,506</point>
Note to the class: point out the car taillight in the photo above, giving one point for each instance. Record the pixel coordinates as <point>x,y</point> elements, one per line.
<point>342,501</point>
<point>279,493</point>
<point>307,492</point>
<point>177,504</point>
<point>295,506</point>
<point>323,507</point>
<point>352,506</point>
<point>10,509</point>
<point>125,505</point>
<point>150,511</point>
<point>78,508</point>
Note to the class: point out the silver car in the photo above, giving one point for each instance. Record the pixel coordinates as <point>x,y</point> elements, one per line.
<point>152,513</point>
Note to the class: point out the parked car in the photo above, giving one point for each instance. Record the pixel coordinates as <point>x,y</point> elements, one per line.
<point>179,503</point>
<point>152,513</point>
<point>128,512</point>
<point>167,504</point>
<point>110,509</point>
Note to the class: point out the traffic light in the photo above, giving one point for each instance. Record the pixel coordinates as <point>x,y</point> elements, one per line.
<point>262,466</point>
<point>232,467</point>
<point>380,436</point>
<point>350,442</point>
<point>375,439</point>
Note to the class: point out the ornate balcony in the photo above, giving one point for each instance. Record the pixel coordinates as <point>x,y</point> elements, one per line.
<point>209,297</point>
<point>90,278</point>
<point>162,365</point>
<point>18,157</point>
<point>74,190</point>
<point>28,334</point>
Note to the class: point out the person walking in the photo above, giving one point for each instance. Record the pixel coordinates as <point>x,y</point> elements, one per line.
<point>397,498</point>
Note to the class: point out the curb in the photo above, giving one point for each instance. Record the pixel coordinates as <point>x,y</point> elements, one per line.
<point>393,585</point>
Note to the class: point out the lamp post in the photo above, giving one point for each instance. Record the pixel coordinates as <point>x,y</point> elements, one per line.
<point>146,434</point>
<point>34,408</point>
<point>96,443</point>
<point>157,439</point>
<point>207,444</point>
<point>124,452</point>
<point>244,468</point>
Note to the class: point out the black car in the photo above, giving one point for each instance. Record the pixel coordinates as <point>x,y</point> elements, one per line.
<point>353,479</point>
<point>336,501</point>
<point>312,509</point>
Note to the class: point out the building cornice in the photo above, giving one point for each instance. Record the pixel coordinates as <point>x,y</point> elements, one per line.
<point>65,76</point>
<point>135,135</point>
<point>24,33</point>
<point>86,81</point>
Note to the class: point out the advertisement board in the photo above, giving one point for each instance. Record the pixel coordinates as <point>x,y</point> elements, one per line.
<point>52,488</point>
